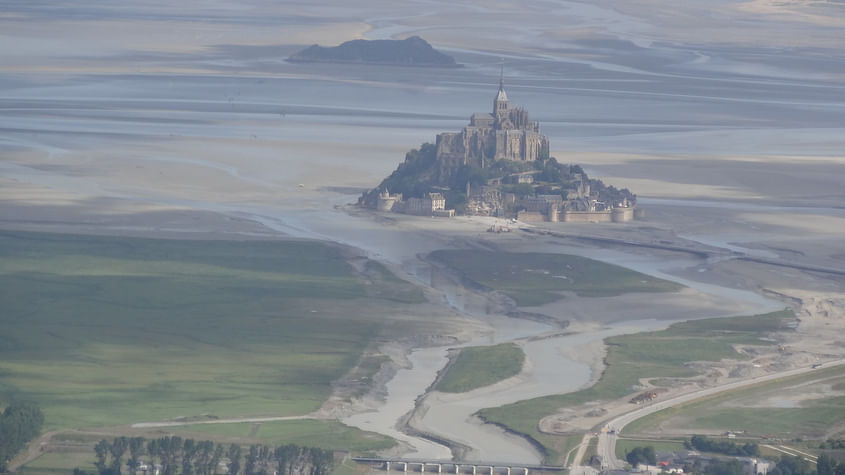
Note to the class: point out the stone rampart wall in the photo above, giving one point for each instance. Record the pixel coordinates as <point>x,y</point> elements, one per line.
<point>531,217</point>
<point>586,217</point>
<point>617,215</point>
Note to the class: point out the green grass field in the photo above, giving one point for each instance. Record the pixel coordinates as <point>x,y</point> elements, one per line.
<point>60,462</point>
<point>481,366</point>
<point>623,446</point>
<point>113,330</point>
<point>735,411</point>
<point>645,355</point>
<point>329,435</point>
<point>537,278</point>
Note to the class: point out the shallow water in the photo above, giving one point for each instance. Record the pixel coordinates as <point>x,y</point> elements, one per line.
<point>403,391</point>
<point>551,373</point>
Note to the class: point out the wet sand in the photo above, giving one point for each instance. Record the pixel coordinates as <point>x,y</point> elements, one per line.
<point>726,121</point>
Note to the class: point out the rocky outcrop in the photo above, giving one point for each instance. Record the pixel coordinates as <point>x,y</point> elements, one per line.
<point>413,51</point>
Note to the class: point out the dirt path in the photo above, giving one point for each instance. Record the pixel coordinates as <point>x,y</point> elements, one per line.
<point>33,451</point>
<point>579,451</point>
<point>148,425</point>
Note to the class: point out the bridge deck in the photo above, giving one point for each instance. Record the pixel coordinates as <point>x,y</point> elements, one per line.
<point>545,468</point>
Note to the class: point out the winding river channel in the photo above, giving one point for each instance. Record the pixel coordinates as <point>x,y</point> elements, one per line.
<point>221,123</point>
<point>550,367</point>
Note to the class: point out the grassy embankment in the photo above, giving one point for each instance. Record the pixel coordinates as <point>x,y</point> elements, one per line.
<point>538,278</point>
<point>750,410</point>
<point>329,435</point>
<point>644,355</point>
<point>481,366</point>
<point>111,330</point>
<point>591,450</point>
<point>60,462</point>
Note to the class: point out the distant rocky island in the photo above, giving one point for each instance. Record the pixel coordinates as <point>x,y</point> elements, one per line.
<point>413,51</point>
<point>498,165</point>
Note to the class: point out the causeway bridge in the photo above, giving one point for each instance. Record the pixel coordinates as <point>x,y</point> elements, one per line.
<point>454,467</point>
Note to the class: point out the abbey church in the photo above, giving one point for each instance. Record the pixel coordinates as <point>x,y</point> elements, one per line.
<point>507,134</point>
<point>498,165</point>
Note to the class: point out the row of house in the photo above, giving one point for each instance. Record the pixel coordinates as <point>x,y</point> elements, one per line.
<point>432,204</point>
<point>675,462</point>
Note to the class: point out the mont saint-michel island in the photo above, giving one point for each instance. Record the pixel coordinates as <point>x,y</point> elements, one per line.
<point>498,165</point>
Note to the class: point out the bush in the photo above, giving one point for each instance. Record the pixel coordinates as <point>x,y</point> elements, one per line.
<point>789,465</point>
<point>641,455</point>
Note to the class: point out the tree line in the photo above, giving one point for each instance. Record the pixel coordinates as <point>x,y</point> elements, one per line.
<point>20,422</point>
<point>705,444</point>
<point>833,444</point>
<point>826,465</point>
<point>180,456</point>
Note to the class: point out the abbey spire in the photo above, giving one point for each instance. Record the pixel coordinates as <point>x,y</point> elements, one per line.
<point>500,104</point>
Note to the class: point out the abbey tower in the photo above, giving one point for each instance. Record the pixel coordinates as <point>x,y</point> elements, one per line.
<point>507,133</point>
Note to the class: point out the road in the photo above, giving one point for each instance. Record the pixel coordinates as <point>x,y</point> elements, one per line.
<point>607,439</point>
<point>793,452</point>
<point>577,467</point>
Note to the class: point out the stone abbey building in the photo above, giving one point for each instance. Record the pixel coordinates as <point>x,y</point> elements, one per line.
<point>555,193</point>
<point>507,133</point>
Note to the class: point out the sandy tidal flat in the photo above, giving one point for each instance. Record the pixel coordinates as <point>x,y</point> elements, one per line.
<point>725,118</point>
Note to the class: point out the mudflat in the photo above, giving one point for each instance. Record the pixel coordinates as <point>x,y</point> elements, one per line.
<point>188,123</point>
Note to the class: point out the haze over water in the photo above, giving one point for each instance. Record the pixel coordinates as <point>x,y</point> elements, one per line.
<point>599,78</point>
<point>192,106</point>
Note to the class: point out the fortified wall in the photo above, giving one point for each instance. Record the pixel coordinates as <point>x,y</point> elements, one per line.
<point>554,215</point>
